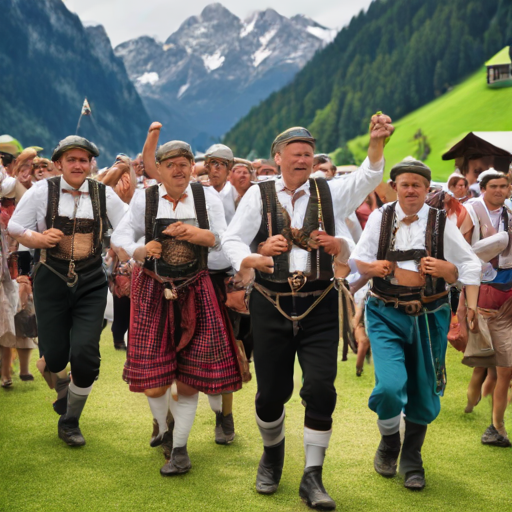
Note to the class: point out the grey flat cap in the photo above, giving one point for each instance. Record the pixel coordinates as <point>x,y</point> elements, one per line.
<point>295,134</point>
<point>245,163</point>
<point>410,166</point>
<point>173,149</point>
<point>219,151</point>
<point>74,142</point>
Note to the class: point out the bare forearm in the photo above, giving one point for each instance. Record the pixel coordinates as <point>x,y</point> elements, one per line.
<point>148,153</point>
<point>203,237</point>
<point>113,175</point>
<point>471,291</point>
<point>365,269</point>
<point>32,240</point>
<point>376,151</point>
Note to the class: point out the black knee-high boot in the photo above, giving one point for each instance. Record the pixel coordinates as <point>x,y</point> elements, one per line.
<point>68,430</point>
<point>411,463</point>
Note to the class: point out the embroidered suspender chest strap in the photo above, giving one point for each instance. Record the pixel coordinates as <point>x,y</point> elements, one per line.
<point>151,211</point>
<point>200,205</point>
<point>152,198</point>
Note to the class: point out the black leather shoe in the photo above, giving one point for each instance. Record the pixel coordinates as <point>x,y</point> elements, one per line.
<point>492,437</point>
<point>385,461</point>
<point>179,463</point>
<point>224,429</point>
<point>270,469</point>
<point>156,438</point>
<point>415,480</point>
<point>71,434</point>
<point>312,490</point>
<point>60,406</point>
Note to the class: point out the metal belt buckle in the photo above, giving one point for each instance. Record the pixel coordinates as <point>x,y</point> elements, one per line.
<point>170,293</point>
<point>72,274</point>
<point>413,309</point>
<point>297,281</point>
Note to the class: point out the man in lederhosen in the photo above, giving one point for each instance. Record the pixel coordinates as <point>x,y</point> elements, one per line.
<point>295,223</point>
<point>411,251</point>
<point>178,333</point>
<point>66,218</point>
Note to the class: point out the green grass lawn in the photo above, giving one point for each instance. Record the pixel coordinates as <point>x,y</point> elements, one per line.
<point>470,106</point>
<point>117,470</point>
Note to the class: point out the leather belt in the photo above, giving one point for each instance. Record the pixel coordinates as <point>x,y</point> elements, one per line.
<point>410,307</point>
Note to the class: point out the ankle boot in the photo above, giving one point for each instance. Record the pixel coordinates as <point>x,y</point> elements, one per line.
<point>312,490</point>
<point>387,455</point>
<point>270,469</point>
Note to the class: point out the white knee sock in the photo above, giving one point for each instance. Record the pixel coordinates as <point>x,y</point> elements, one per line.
<point>215,402</point>
<point>315,445</point>
<point>272,432</point>
<point>390,426</point>
<point>184,412</point>
<point>159,407</point>
<point>80,391</point>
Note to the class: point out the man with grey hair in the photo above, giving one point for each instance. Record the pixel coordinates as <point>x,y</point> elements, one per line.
<point>288,230</point>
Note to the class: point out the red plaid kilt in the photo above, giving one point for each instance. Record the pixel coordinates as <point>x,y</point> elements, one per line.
<point>191,326</point>
<point>151,355</point>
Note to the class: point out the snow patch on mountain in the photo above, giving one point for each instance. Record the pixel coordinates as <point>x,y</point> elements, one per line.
<point>259,56</point>
<point>325,34</point>
<point>248,27</point>
<point>182,90</point>
<point>150,78</point>
<point>212,62</point>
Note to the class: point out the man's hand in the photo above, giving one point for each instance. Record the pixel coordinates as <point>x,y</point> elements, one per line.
<point>330,244</point>
<point>472,319</point>
<point>377,268</point>
<point>258,262</point>
<point>51,237</point>
<point>245,276</point>
<point>190,233</point>
<point>155,126</point>
<point>439,268</point>
<point>380,130</point>
<point>381,127</point>
<point>153,250</point>
<point>274,246</point>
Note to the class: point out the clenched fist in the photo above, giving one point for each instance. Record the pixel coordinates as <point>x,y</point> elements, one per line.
<point>52,237</point>
<point>153,249</point>
<point>274,246</point>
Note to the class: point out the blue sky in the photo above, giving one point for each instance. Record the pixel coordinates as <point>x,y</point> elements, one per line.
<point>127,19</point>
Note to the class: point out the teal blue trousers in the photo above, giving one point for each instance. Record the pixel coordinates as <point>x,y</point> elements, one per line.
<point>409,359</point>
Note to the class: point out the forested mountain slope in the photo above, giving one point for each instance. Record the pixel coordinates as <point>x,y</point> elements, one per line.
<point>396,57</point>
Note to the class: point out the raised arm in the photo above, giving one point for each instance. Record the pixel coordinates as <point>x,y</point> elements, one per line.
<point>349,192</point>
<point>149,150</point>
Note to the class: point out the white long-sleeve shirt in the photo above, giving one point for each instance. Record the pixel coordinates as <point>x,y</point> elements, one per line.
<point>227,195</point>
<point>130,232</point>
<point>412,236</point>
<point>31,210</point>
<point>7,183</point>
<point>347,194</point>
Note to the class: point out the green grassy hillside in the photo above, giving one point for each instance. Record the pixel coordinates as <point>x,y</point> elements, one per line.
<point>470,106</point>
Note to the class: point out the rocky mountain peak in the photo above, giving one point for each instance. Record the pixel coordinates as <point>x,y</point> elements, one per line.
<point>215,67</point>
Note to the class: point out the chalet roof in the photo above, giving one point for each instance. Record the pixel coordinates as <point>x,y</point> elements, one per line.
<point>501,58</point>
